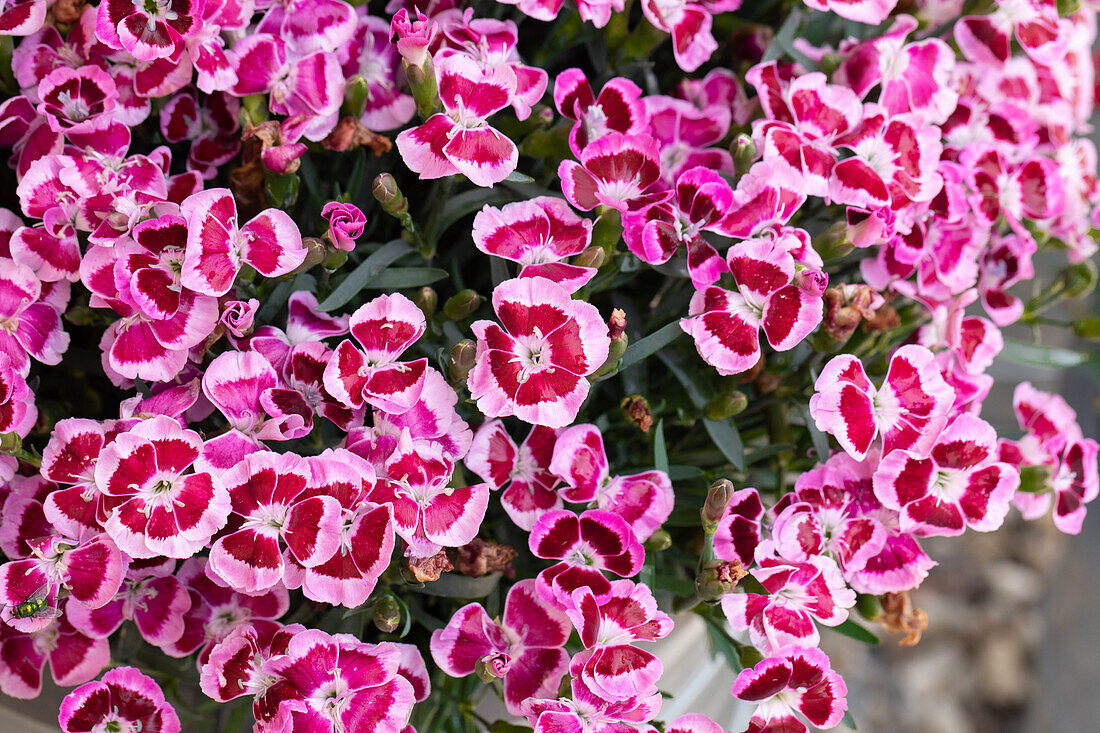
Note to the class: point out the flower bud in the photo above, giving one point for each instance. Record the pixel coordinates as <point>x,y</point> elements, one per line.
<point>387,613</point>
<point>345,223</point>
<point>10,442</point>
<point>868,605</point>
<point>743,150</point>
<point>463,355</point>
<point>238,316</point>
<point>811,281</point>
<point>726,405</point>
<point>591,257</point>
<point>316,253</point>
<point>618,345</point>
<point>493,666</point>
<point>637,411</point>
<point>749,657</point>
<point>414,36</point>
<point>356,96</point>
<point>387,193</point>
<point>1079,279</point>
<point>717,578</point>
<point>833,242</point>
<point>283,158</point>
<point>718,497</point>
<point>334,258</point>
<point>659,541</point>
<point>462,304</point>
<point>427,300</point>
<point>616,324</point>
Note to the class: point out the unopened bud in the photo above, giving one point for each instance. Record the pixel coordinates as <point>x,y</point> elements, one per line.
<point>743,150</point>
<point>388,194</point>
<point>749,657</point>
<point>462,304</point>
<point>335,258</point>
<point>387,613</point>
<point>493,666</point>
<point>833,242</point>
<point>591,257</point>
<point>616,324</point>
<point>726,405</point>
<point>811,281</point>
<point>718,578</point>
<point>1080,279</point>
<point>427,300</point>
<point>253,109</point>
<point>659,541</point>
<point>10,442</point>
<point>316,253</point>
<point>868,605</point>
<point>718,497</point>
<point>614,356</point>
<point>637,411</point>
<point>463,358</point>
<point>356,96</point>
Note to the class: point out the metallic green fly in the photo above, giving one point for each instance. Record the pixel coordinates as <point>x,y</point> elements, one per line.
<point>36,605</point>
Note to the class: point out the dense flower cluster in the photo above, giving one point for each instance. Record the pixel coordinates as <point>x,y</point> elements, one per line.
<point>836,230</point>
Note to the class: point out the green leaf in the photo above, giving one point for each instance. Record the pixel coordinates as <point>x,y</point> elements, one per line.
<point>725,436</point>
<point>367,270</point>
<point>848,720</point>
<point>723,433</point>
<point>517,177</point>
<point>853,630</point>
<point>660,453</point>
<point>783,36</point>
<point>459,206</point>
<point>651,344</point>
<point>1044,356</point>
<point>397,278</point>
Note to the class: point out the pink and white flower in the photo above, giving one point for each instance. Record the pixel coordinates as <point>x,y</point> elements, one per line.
<point>534,363</point>
<point>617,108</point>
<point>793,686</point>
<point>524,648</point>
<point>585,545</point>
<point>798,594</point>
<point>644,500</point>
<point>617,170</point>
<point>538,234</point>
<point>700,202</point>
<point>125,699</point>
<point>77,100</point>
<point>148,31</point>
<point>273,510</point>
<point>907,411</point>
<point>154,507</point>
<point>73,658</point>
<point>366,535</point>
<point>959,483</point>
<point>217,247</point>
<point>428,513</point>
<point>459,140</point>
<point>522,471</point>
<point>610,665</point>
<point>385,327</point>
<point>771,294</point>
<point>155,602</point>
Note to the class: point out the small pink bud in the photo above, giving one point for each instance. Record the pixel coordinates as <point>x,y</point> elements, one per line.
<point>346,224</point>
<point>238,316</point>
